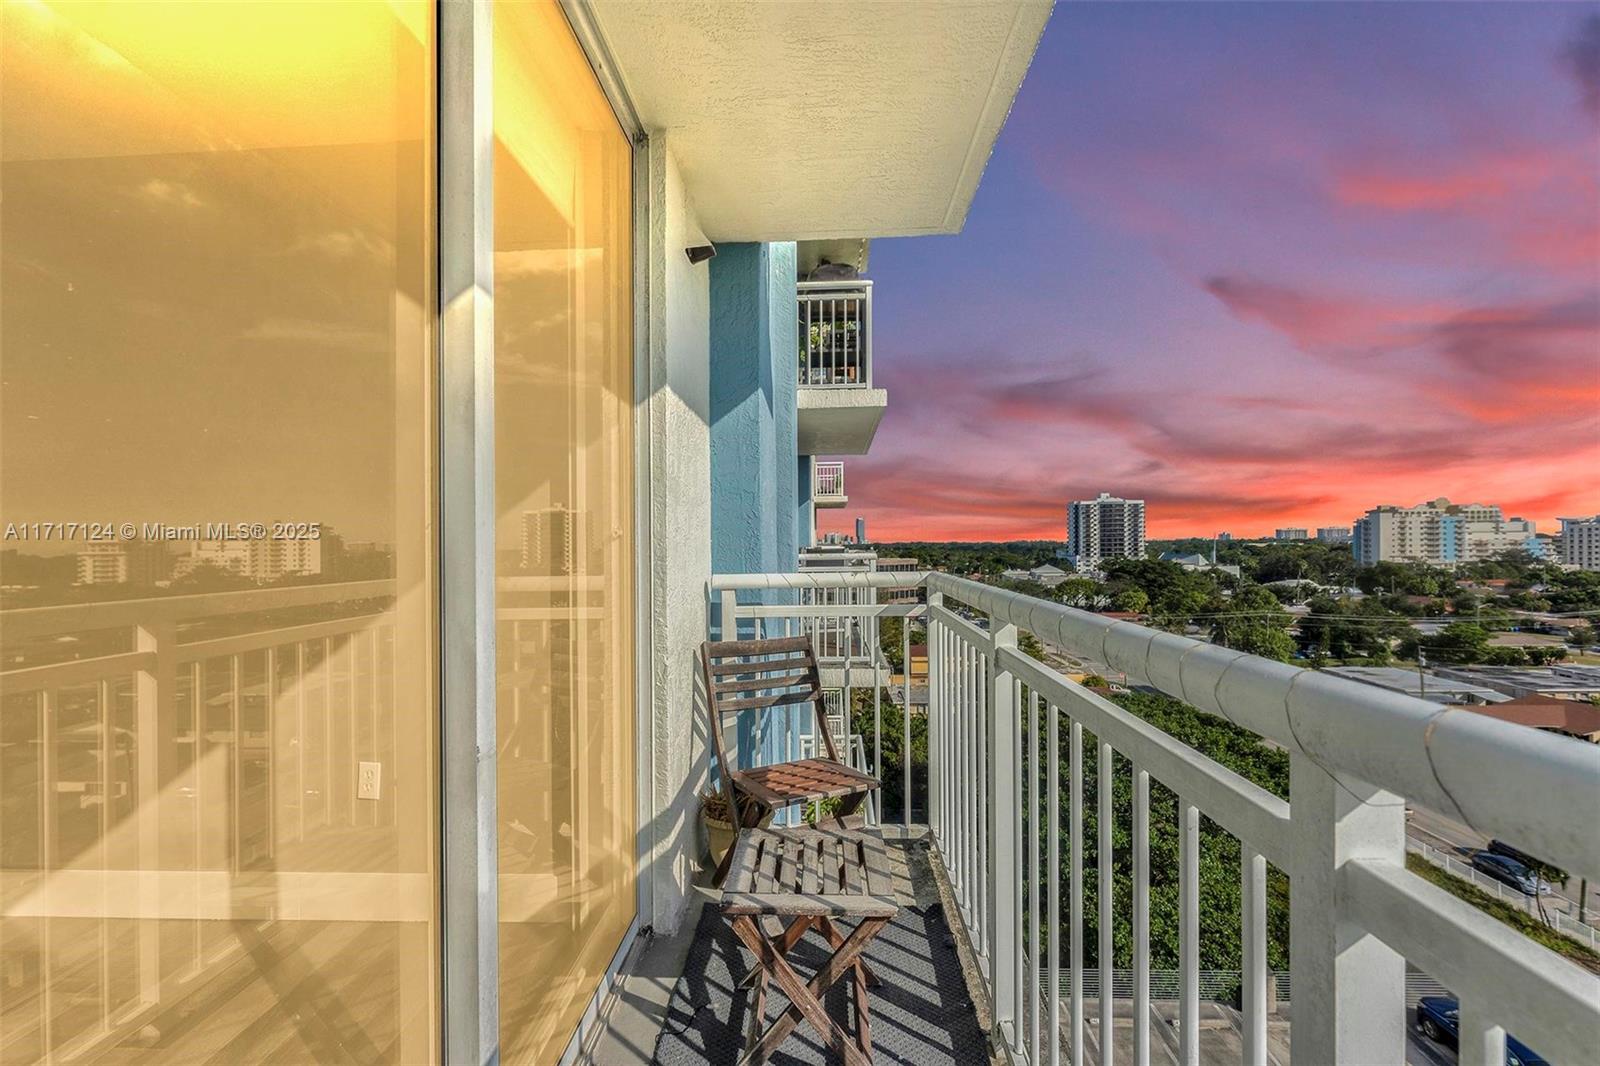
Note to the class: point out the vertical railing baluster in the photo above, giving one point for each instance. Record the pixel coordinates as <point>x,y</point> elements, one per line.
<point>1105,767</point>
<point>1002,807</point>
<point>1018,858</point>
<point>905,724</point>
<point>1253,945</point>
<point>1075,826</point>
<point>964,772</point>
<point>1141,916</point>
<point>1357,980</point>
<point>1034,941</point>
<point>1053,896</point>
<point>970,731</point>
<point>877,741</point>
<point>1188,932</point>
<point>974,767</point>
<point>980,814</point>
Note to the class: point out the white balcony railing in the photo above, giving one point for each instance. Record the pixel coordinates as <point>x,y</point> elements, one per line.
<point>827,481</point>
<point>835,320</point>
<point>839,638</point>
<point>999,722</point>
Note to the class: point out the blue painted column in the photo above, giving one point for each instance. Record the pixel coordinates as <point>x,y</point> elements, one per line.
<point>754,463</point>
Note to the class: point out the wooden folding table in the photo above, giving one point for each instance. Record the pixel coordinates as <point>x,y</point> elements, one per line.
<point>808,877</point>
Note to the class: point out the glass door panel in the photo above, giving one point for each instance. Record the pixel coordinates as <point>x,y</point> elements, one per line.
<point>564,528</point>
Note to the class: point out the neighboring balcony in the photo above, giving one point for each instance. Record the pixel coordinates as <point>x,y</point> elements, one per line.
<point>1010,813</point>
<point>827,485</point>
<point>839,407</point>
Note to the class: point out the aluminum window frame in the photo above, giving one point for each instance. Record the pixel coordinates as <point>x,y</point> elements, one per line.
<point>469,885</point>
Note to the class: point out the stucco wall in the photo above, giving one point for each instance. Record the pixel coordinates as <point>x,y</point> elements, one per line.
<point>680,518</point>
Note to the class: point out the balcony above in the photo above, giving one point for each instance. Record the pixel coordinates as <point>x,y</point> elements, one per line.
<point>827,484</point>
<point>839,410</point>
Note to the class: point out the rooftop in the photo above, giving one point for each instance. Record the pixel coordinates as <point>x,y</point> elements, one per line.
<point>1577,717</point>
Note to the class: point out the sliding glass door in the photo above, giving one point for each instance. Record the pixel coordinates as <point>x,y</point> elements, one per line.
<point>218,769</point>
<point>220,445</point>
<point>564,555</point>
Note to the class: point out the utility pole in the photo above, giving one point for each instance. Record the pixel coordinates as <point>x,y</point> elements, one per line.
<point>1422,677</point>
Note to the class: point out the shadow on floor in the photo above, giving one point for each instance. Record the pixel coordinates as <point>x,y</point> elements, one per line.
<point>921,1013</point>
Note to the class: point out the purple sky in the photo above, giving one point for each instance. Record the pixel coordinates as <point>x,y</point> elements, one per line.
<point>1260,265</point>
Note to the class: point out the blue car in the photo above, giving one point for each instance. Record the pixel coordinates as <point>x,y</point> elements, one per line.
<point>1439,1019</point>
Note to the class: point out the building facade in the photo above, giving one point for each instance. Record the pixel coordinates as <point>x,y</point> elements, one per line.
<point>1580,542</point>
<point>1334,534</point>
<point>1292,533</point>
<point>1440,533</point>
<point>1106,527</point>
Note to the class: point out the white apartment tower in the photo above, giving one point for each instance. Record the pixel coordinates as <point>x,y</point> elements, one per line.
<point>1580,542</point>
<point>1440,533</point>
<point>1106,527</point>
<point>262,560</point>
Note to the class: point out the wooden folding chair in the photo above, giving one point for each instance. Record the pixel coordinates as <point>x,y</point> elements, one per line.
<point>744,676</point>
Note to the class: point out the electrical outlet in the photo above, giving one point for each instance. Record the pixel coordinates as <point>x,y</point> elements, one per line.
<point>369,780</point>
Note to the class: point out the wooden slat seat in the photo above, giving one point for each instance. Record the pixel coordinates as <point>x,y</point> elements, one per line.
<point>802,781</point>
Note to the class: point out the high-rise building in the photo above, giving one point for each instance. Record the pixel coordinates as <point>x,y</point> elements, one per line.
<point>1580,542</point>
<point>1224,536</point>
<point>262,560</point>
<point>1106,527</point>
<point>133,562</point>
<point>1333,534</point>
<point>1440,533</point>
<point>1291,533</point>
<point>861,530</point>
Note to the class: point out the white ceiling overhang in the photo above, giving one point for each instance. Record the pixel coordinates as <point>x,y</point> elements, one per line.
<point>827,119</point>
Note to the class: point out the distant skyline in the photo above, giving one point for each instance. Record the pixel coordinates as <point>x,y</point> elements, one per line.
<point>1261,266</point>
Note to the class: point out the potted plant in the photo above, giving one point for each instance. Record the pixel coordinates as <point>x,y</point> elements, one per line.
<point>719,823</point>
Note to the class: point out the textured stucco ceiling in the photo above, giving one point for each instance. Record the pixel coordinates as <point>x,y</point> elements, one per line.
<point>825,119</point>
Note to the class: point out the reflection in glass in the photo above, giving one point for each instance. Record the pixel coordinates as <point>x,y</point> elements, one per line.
<point>215,296</point>
<point>564,533</point>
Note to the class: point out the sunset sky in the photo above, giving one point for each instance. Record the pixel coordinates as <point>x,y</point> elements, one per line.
<point>1260,265</point>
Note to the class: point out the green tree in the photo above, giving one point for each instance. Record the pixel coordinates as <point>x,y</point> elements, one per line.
<point>892,774</point>
<point>1132,600</point>
<point>1217,739</point>
<point>1458,642</point>
<point>1082,592</point>
<point>1254,621</point>
<point>891,633</point>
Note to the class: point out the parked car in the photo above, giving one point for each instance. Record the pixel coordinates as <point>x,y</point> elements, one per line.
<point>1500,847</point>
<point>1510,872</point>
<point>1439,1019</point>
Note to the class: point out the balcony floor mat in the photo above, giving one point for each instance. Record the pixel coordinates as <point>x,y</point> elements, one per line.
<point>921,1013</point>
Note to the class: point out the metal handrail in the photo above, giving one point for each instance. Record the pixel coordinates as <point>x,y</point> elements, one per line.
<point>1355,751</point>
